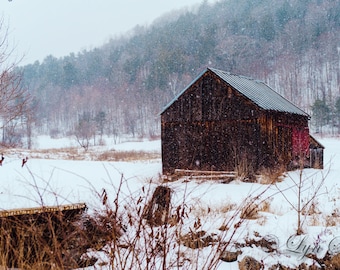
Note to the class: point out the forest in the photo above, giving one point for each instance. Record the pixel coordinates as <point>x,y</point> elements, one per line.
<point>121,87</point>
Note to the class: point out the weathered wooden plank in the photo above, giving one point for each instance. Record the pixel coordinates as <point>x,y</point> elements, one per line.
<point>39,210</point>
<point>204,173</point>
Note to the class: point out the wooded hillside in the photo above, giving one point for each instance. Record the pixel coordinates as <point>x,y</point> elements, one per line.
<point>292,45</point>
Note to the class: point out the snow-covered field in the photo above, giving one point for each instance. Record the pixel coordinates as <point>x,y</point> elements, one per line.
<point>57,181</point>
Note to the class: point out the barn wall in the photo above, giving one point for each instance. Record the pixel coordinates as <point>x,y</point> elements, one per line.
<point>275,143</point>
<point>208,145</point>
<point>276,136</point>
<point>210,127</point>
<point>316,153</point>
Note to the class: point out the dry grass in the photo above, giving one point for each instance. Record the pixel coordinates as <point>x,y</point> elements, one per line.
<point>253,207</point>
<point>270,176</point>
<point>76,153</point>
<point>160,245</point>
<point>122,237</point>
<point>262,221</point>
<point>117,234</point>
<point>244,170</point>
<point>68,153</point>
<point>265,206</point>
<point>250,211</point>
<point>227,207</point>
<point>199,209</point>
<point>333,263</point>
<point>331,221</point>
<point>312,209</point>
<point>127,155</point>
<point>43,241</point>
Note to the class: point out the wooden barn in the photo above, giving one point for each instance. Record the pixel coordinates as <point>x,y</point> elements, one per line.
<point>224,122</point>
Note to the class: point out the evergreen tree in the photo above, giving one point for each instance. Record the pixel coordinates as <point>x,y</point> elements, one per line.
<point>321,114</point>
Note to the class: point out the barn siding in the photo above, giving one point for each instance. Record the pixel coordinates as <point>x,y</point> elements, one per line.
<point>277,134</point>
<point>204,127</point>
<point>209,145</point>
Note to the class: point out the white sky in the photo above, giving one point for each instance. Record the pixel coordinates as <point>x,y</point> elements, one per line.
<point>42,27</point>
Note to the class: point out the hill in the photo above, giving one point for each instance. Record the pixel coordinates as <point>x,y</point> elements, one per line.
<point>120,87</point>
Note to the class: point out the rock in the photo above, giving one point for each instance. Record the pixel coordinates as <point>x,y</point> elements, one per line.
<point>249,263</point>
<point>229,256</point>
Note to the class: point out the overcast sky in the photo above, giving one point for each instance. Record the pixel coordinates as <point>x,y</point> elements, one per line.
<point>43,27</point>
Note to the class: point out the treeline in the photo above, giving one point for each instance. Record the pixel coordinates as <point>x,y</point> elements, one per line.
<point>121,87</point>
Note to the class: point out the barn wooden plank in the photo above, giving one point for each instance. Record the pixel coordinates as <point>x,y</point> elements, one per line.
<point>198,172</point>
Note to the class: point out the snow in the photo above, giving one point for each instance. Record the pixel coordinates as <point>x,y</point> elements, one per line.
<point>54,182</point>
<point>57,181</point>
<point>46,142</point>
<point>127,144</point>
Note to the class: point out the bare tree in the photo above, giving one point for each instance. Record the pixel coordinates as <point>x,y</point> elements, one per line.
<point>14,98</point>
<point>85,130</point>
<point>307,188</point>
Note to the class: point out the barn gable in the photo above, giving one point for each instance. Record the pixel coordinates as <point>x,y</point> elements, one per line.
<point>221,121</point>
<point>256,91</point>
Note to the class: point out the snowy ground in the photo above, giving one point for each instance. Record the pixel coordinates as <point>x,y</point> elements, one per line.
<point>52,180</point>
<point>56,181</point>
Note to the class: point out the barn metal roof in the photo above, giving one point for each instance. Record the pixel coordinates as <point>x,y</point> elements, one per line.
<point>259,93</point>
<point>255,90</point>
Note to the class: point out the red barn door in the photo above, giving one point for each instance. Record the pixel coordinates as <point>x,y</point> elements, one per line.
<point>300,141</point>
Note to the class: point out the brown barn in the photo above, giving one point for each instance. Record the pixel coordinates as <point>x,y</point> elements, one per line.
<point>222,121</point>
